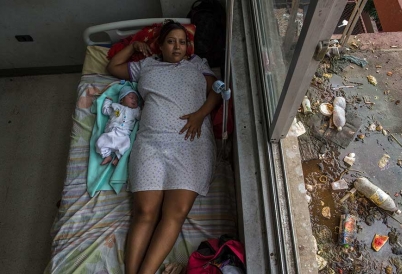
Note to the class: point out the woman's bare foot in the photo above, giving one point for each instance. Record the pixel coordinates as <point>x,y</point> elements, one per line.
<point>106,160</point>
<point>115,161</point>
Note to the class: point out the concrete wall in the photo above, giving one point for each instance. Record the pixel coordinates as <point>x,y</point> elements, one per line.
<point>390,14</point>
<point>57,26</point>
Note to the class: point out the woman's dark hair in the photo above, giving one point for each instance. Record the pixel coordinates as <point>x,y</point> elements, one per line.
<point>168,26</point>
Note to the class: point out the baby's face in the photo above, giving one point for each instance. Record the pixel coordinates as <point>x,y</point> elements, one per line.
<point>130,100</point>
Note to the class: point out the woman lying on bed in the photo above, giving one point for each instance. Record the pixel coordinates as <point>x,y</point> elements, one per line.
<point>173,156</point>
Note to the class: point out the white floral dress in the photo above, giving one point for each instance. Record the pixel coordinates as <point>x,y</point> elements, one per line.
<point>161,159</point>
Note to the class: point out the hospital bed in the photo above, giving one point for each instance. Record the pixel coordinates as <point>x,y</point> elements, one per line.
<point>89,232</point>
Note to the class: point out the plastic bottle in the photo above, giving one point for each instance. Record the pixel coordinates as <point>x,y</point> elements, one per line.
<point>338,116</point>
<point>340,102</point>
<point>347,230</point>
<point>306,105</point>
<point>376,194</point>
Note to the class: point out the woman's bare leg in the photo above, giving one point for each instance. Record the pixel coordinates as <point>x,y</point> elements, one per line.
<point>145,215</point>
<point>175,207</point>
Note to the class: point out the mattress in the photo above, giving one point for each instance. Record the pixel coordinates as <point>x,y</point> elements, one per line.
<point>89,232</point>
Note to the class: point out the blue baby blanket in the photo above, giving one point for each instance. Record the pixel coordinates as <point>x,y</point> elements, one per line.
<point>107,177</point>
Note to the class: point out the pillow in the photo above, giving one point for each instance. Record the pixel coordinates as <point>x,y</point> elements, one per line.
<point>95,60</point>
<point>150,36</point>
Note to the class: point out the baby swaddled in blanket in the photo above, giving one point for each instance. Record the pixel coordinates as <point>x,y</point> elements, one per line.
<point>113,135</point>
<point>123,115</point>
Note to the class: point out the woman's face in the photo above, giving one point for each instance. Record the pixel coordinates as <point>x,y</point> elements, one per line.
<point>175,46</point>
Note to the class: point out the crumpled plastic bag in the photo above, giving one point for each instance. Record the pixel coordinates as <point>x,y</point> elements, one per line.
<point>296,129</point>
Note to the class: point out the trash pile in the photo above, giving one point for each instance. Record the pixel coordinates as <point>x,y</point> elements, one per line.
<point>341,123</point>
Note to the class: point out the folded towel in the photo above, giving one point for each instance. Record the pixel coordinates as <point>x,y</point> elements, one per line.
<point>107,177</point>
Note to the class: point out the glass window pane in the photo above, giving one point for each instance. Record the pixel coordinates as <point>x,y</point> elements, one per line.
<point>278,23</point>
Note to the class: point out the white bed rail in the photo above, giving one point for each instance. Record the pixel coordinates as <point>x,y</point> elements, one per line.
<point>122,29</point>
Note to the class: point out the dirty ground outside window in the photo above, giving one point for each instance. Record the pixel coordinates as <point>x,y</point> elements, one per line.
<point>368,76</point>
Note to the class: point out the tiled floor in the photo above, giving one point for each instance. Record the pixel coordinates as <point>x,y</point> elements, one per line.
<point>35,125</point>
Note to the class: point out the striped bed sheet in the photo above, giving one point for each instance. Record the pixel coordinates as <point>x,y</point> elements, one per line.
<point>89,233</point>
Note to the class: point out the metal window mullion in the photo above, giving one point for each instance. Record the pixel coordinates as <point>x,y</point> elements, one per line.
<point>319,24</point>
<point>272,209</point>
<point>272,220</point>
<point>258,31</point>
<point>269,50</point>
<point>292,232</point>
<point>274,213</point>
<point>278,212</point>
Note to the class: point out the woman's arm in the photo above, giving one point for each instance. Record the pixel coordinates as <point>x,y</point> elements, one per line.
<point>195,119</point>
<point>118,64</point>
<point>213,98</point>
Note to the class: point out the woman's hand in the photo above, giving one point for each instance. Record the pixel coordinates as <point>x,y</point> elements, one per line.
<point>142,47</point>
<point>193,126</point>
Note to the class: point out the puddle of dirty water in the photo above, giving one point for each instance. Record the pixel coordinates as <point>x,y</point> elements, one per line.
<point>318,175</point>
<point>359,257</point>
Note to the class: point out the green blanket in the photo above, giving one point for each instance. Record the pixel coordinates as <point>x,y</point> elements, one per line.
<point>107,177</point>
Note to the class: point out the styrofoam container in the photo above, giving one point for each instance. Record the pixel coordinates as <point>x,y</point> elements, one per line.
<point>326,109</point>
